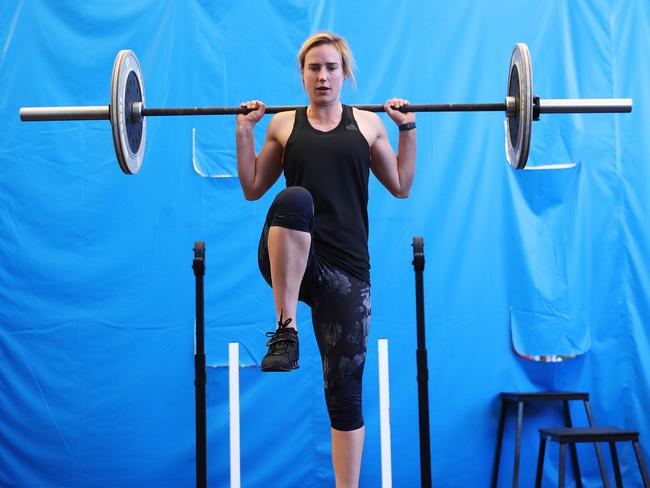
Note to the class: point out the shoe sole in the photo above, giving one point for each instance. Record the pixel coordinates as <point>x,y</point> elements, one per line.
<point>278,369</point>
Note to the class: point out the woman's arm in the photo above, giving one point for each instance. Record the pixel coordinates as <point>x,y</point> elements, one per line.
<point>257,173</point>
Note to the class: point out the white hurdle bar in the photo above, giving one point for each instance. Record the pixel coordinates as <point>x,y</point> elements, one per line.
<point>384,414</point>
<point>233,394</point>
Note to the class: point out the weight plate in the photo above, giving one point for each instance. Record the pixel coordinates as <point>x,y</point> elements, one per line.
<point>128,135</point>
<point>519,126</point>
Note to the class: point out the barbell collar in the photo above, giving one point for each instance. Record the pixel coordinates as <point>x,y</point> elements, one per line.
<point>64,113</point>
<point>511,106</point>
<point>136,111</point>
<point>585,105</point>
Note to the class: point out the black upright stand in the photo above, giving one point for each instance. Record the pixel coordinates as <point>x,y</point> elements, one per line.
<point>198,265</point>
<point>423,370</point>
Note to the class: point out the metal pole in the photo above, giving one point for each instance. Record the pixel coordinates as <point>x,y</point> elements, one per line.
<point>423,370</point>
<point>198,265</point>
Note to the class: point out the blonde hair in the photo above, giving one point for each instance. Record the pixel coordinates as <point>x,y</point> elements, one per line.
<point>335,40</point>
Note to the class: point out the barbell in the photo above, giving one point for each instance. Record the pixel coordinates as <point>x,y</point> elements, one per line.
<point>127,110</point>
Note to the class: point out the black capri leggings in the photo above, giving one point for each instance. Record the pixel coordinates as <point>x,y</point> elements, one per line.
<point>340,307</point>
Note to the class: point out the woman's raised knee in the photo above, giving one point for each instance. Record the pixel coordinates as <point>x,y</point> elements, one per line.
<point>294,209</point>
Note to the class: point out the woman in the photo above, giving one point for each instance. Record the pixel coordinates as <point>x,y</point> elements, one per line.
<point>314,244</point>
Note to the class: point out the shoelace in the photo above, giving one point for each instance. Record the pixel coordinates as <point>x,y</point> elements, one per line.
<point>281,326</point>
<point>280,344</point>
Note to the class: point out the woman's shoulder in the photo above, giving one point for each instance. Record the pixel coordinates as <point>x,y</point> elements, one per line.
<point>283,117</point>
<point>369,124</point>
<point>281,126</point>
<point>365,116</point>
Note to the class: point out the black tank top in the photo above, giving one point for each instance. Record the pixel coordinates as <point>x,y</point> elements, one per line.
<point>334,166</point>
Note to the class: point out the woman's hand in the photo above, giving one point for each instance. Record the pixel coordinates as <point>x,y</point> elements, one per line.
<point>398,117</point>
<point>257,108</point>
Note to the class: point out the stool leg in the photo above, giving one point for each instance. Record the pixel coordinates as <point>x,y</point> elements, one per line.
<point>574,454</point>
<point>520,421</point>
<point>642,468</point>
<point>540,462</point>
<point>617,467</point>
<point>561,468</point>
<point>497,451</point>
<point>599,455</point>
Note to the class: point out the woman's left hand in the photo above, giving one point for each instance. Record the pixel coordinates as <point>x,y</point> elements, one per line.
<point>398,117</point>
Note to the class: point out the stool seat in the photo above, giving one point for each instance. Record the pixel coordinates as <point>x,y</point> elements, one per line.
<point>573,435</point>
<point>544,395</point>
<point>589,434</point>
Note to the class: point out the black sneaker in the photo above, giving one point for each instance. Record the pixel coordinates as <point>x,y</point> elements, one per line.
<point>283,348</point>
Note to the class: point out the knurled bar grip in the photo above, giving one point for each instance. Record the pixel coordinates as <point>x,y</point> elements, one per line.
<point>102,113</point>
<point>440,107</point>
<point>547,106</point>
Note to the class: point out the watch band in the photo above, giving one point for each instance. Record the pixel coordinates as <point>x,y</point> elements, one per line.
<point>407,126</point>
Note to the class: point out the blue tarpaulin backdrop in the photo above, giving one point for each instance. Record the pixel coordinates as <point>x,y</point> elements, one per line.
<point>97,292</point>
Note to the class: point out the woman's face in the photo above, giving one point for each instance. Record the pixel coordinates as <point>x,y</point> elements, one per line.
<point>322,75</point>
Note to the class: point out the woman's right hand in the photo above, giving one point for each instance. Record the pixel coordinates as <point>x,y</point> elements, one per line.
<point>257,108</point>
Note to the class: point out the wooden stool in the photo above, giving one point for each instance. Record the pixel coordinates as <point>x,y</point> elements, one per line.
<point>589,434</point>
<point>519,399</point>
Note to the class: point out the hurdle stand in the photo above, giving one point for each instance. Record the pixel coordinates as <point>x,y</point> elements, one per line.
<point>384,414</point>
<point>198,265</point>
<point>422,365</point>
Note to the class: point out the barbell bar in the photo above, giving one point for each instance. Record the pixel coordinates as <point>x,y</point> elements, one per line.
<point>546,106</point>
<point>127,110</point>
